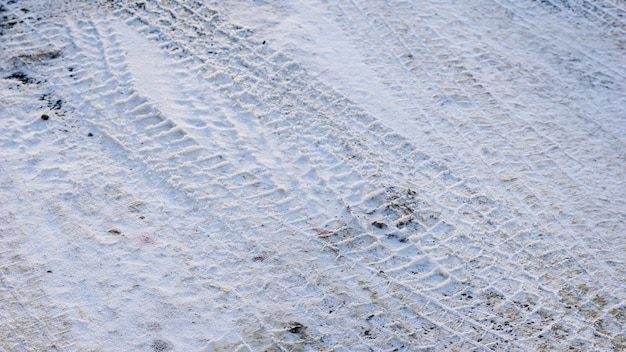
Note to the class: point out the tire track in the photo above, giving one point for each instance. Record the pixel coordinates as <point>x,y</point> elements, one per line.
<point>388,308</point>
<point>476,131</point>
<point>144,21</point>
<point>153,31</point>
<point>299,103</point>
<point>610,76</point>
<point>526,130</point>
<point>601,14</point>
<point>173,165</point>
<point>378,12</point>
<point>398,56</point>
<point>133,106</point>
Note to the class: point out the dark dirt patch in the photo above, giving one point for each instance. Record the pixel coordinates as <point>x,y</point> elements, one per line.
<point>22,77</point>
<point>398,237</point>
<point>41,55</point>
<point>7,22</point>
<point>56,105</point>
<point>53,104</point>
<point>161,346</point>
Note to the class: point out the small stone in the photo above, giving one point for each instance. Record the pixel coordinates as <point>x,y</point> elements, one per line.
<point>380,224</point>
<point>296,328</point>
<point>89,134</point>
<point>45,117</point>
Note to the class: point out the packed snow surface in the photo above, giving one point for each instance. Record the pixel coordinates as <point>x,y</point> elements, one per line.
<point>313,175</point>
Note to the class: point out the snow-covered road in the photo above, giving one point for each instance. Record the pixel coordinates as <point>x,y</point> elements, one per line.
<point>314,175</point>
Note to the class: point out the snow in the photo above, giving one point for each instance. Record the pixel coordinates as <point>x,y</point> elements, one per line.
<point>318,175</point>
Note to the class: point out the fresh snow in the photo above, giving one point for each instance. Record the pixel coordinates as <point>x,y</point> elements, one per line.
<point>314,175</point>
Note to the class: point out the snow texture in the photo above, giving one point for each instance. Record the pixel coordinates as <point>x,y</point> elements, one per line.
<point>314,175</point>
